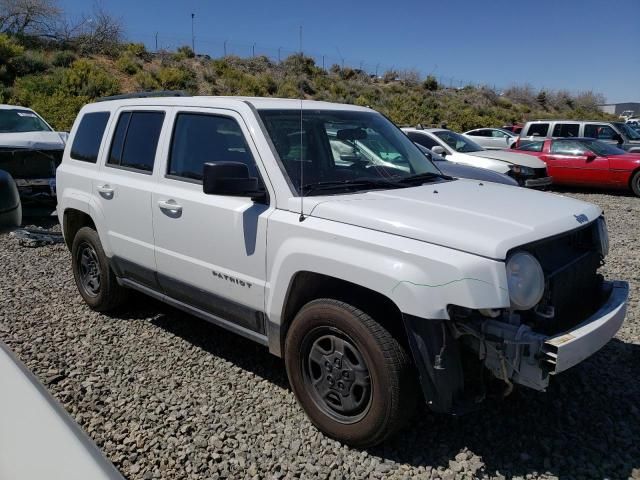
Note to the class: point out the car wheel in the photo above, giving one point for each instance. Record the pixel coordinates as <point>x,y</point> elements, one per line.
<point>635,183</point>
<point>354,380</point>
<point>94,278</point>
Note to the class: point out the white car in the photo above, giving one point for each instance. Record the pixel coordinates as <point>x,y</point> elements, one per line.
<point>30,150</point>
<point>370,280</point>
<point>492,138</point>
<point>528,170</point>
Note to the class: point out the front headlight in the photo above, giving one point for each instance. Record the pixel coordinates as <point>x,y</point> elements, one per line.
<point>525,279</point>
<point>520,170</point>
<point>603,237</point>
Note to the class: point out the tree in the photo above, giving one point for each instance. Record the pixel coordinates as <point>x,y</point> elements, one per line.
<point>542,99</point>
<point>430,83</point>
<point>28,17</point>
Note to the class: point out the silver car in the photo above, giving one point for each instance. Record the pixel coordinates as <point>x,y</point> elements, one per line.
<point>492,138</point>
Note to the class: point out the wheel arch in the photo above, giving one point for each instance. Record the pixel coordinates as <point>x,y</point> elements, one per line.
<point>73,221</point>
<point>306,286</point>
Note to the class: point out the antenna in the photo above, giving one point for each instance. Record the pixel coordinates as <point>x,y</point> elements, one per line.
<point>301,140</point>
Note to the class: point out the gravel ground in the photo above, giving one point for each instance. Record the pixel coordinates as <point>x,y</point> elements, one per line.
<point>165,395</point>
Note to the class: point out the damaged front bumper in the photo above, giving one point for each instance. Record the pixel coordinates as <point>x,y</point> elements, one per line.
<point>512,351</point>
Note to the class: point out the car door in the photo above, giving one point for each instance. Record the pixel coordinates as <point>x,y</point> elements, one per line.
<point>570,162</point>
<point>603,132</point>
<point>124,187</point>
<point>498,140</point>
<point>210,249</point>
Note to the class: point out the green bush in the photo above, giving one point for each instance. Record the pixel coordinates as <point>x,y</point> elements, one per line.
<point>63,58</point>
<point>29,62</point>
<point>146,81</point>
<point>138,50</point>
<point>183,53</point>
<point>129,64</point>
<point>174,78</point>
<point>9,49</point>
<point>85,78</point>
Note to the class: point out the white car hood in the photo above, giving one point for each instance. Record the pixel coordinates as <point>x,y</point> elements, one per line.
<point>484,219</point>
<point>511,157</point>
<point>34,140</point>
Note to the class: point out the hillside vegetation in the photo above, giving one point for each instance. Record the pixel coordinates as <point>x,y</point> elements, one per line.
<point>57,78</point>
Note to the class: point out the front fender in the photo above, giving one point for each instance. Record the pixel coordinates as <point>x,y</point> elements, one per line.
<point>421,279</point>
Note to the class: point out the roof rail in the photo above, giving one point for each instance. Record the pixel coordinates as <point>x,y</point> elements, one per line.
<point>158,93</point>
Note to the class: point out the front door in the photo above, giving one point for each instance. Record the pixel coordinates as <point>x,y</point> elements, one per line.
<point>569,162</point>
<point>210,249</point>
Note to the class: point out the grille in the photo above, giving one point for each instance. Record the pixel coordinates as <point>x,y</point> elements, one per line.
<point>30,163</point>
<point>570,263</point>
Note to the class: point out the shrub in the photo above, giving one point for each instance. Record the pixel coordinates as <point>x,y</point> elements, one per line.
<point>63,58</point>
<point>183,52</point>
<point>174,78</point>
<point>85,78</point>
<point>146,81</point>
<point>9,49</point>
<point>430,83</point>
<point>127,63</point>
<point>138,50</point>
<point>28,63</point>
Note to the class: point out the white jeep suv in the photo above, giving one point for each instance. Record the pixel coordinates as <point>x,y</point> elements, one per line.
<point>371,280</point>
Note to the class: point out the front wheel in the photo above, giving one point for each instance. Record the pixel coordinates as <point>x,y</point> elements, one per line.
<point>635,183</point>
<point>354,380</point>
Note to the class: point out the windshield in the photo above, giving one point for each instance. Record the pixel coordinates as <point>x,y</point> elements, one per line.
<point>342,148</point>
<point>458,142</point>
<point>18,120</point>
<point>602,149</point>
<point>628,131</point>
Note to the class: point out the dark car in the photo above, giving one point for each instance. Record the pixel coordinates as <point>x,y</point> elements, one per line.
<point>10,207</point>
<point>465,171</point>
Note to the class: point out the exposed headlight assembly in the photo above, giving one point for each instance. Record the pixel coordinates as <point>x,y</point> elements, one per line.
<point>603,237</point>
<point>520,170</point>
<point>525,279</point>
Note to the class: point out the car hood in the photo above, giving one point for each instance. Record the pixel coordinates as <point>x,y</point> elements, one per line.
<point>511,157</point>
<point>474,173</point>
<point>484,219</point>
<point>33,140</point>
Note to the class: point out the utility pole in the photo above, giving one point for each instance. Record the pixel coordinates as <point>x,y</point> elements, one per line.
<point>224,46</point>
<point>156,41</point>
<point>323,62</point>
<point>253,50</point>
<point>279,48</point>
<point>193,37</point>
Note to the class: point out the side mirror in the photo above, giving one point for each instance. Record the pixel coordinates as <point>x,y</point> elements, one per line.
<point>591,156</point>
<point>229,178</point>
<point>618,138</point>
<point>438,150</point>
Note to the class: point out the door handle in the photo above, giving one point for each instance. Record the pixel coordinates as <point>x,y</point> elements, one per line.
<point>105,191</point>
<point>170,206</point>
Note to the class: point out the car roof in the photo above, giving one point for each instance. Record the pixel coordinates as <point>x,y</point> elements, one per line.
<point>222,101</point>
<point>5,106</point>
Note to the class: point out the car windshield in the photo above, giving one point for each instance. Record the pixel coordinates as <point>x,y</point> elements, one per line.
<point>602,149</point>
<point>19,120</point>
<point>333,151</point>
<point>458,142</point>
<point>628,131</point>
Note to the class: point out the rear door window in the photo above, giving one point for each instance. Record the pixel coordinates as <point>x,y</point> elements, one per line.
<point>538,130</point>
<point>599,131</point>
<point>531,146</point>
<point>566,130</point>
<point>135,140</point>
<point>88,137</point>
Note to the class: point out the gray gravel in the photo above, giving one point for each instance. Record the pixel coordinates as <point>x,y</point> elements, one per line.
<point>165,395</point>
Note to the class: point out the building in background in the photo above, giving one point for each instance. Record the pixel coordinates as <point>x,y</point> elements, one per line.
<point>628,109</point>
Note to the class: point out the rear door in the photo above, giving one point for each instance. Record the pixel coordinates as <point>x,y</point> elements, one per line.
<point>210,249</point>
<point>124,187</point>
<point>569,162</point>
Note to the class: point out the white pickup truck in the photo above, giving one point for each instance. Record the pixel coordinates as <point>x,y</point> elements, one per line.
<point>371,280</point>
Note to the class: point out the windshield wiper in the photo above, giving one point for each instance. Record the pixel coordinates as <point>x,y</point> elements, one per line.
<point>348,184</point>
<point>425,177</point>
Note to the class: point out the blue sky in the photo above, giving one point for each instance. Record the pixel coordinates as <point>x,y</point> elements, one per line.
<point>558,44</point>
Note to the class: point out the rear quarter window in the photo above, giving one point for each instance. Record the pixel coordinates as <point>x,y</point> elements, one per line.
<point>88,137</point>
<point>566,130</point>
<point>538,130</point>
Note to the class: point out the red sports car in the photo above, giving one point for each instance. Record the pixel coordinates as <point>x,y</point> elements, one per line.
<point>587,162</point>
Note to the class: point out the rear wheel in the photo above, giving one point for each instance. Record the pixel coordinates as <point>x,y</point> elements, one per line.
<point>94,278</point>
<point>352,377</point>
<point>635,183</point>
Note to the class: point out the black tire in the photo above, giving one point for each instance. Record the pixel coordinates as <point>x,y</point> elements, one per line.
<point>391,395</point>
<point>94,278</point>
<point>635,184</point>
